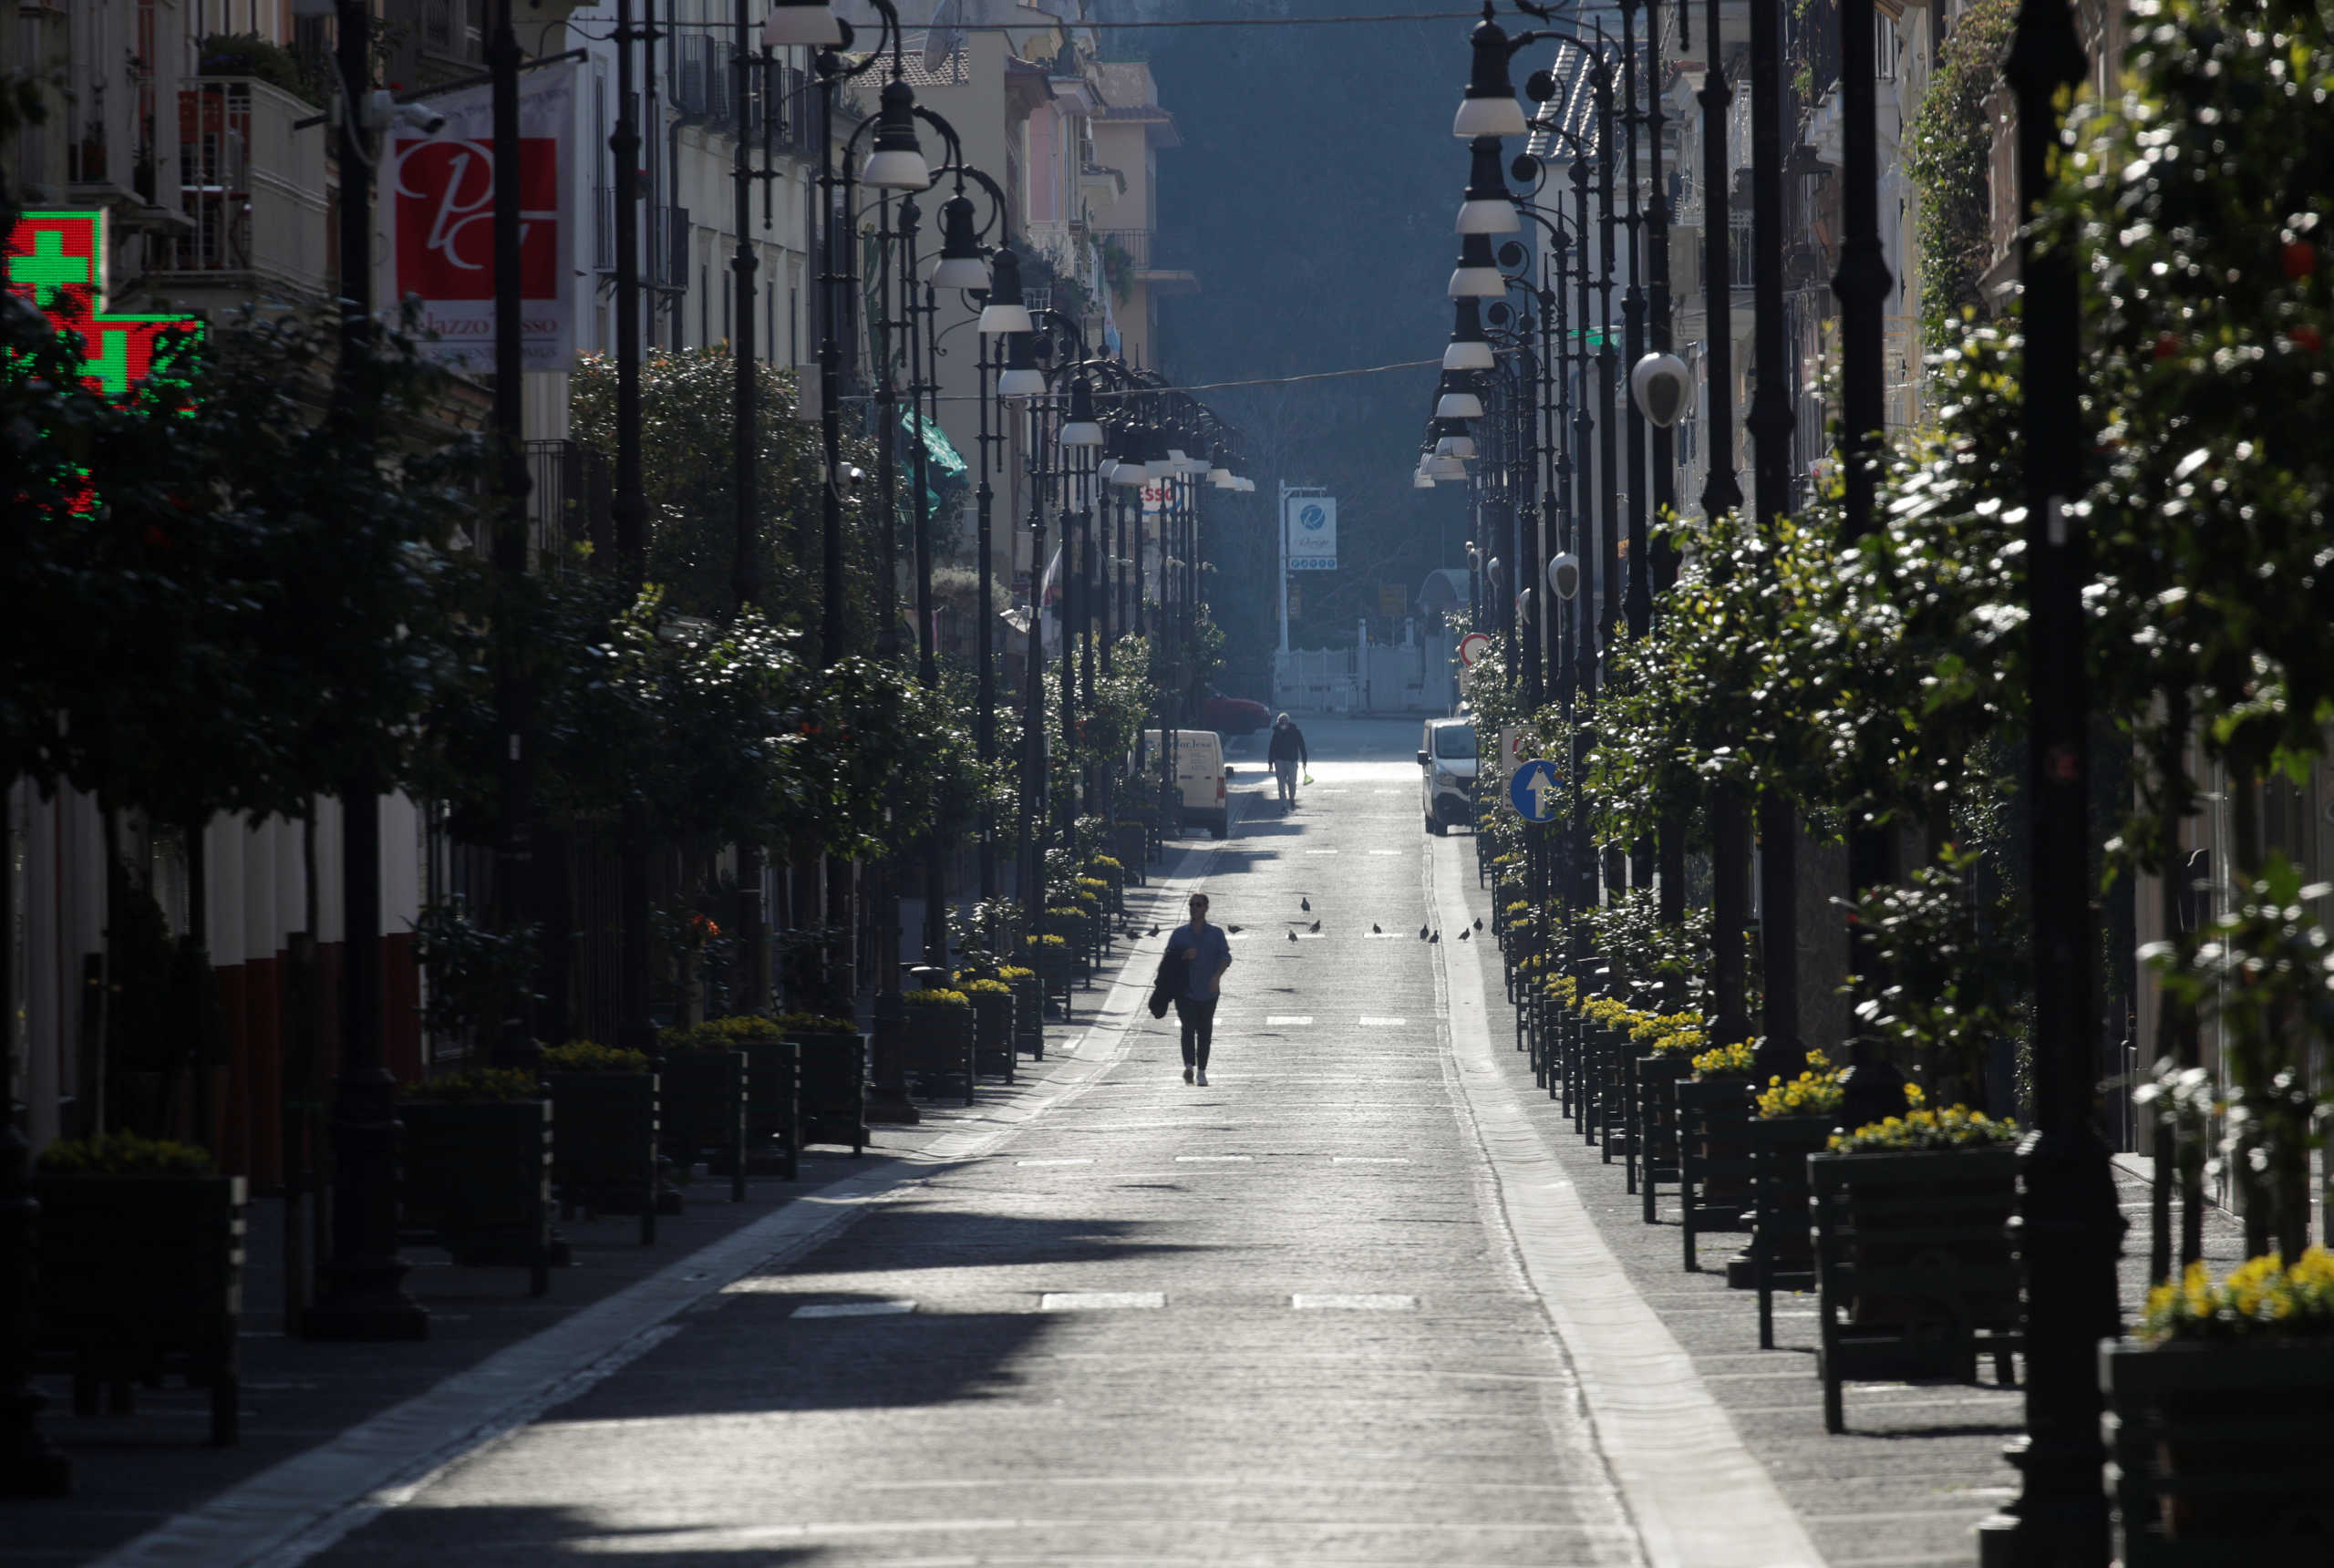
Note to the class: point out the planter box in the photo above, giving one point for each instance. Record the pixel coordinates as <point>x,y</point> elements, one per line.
<point>1780,1256</point>
<point>2220,1451</point>
<point>139,1277</point>
<point>1131,847</point>
<point>1714,1164</point>
<point>937,1047</point>
<point>478,1183</point>
<point>1656,1124</point>
<point>993,1034</point>
<point>603,1157</point>
<point>704,1113</point>
<point>1055,967</point>
<point>1914,1268</point>
<point>833,1089</point>
<point>1029,1017</point>
<point>773,1106</point>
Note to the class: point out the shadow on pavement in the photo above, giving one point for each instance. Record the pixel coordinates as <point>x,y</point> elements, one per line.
<point>500,1532</point>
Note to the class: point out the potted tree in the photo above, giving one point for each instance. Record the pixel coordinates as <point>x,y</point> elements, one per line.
<point>833,1077</point>
<point>772,1090</point>
<point>1053,959</point>
<point>992,1002</point>
<point>1028,1010</point>
<point>604,1155</point>
<point>938,1037</point>
<point>476,1153</point>
<point>703,1085</point>
<point>141,1244</point>
<point>2192,1483</point>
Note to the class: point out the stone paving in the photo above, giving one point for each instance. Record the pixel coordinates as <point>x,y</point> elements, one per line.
<point>1316,1313</point>
<point>1269,1321</point>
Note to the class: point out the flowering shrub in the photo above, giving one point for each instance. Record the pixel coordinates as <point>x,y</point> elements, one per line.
<point>1015,972</point>
<point>719,1033</point>
<point>1955,1127</point>
<point>123,1154</point>
<point>2260,1298</point>
<point>937,998</point>
<point>812,1024</point>
<point>1816,1092</point>
<point>484,1085</point>
<point>590,1056</point>
<point>982,987</point>
<point>1725,1060</point>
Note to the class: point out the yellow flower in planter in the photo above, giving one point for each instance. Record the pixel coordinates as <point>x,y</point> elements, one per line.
<point>2260,1298</point>
<point>937,998</point>
<point>1738,1058</point>
<point>1955,1127</point>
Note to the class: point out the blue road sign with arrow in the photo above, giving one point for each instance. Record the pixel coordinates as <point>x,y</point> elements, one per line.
<point>1536,790</point>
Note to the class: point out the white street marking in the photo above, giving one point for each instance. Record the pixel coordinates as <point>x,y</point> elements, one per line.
<point>1212,1159</point>
<point>1276,1021</point>
<point>1078,1161</point>
<point>1348,1302</point>
<point>854,1309</point>
<point>1102,1300</point>
<point>1369,1160</point>
<point>1370,1023</point>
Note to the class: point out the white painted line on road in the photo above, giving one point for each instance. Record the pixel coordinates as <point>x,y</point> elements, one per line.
<point>1370,1023</point>
<point>293,1510</point>
<point>1103,1301</point>
<point>1320,851</point>
<point>1084,1160</point>
<point>1369,1160</point>
<point>1293,1021</point>
<point>1213,1159</point>
<point>1335,1302</point>
<point>853,1309</point>
<point>1387,852</point>
<point>1646,1401</point>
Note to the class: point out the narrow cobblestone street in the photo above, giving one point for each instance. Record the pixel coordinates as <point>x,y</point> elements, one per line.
<point>1274,1320</point>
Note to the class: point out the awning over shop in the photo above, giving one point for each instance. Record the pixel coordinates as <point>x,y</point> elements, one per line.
<point>945,473</point>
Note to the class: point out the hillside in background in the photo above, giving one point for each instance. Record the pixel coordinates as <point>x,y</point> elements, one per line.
<point>1313,195</point>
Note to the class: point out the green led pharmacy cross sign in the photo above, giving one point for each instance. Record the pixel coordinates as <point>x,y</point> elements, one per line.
<point>57,262</point>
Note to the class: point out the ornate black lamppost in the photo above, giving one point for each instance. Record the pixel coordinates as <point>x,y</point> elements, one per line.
<point>2070,1228</point>
<point>361,1290</point>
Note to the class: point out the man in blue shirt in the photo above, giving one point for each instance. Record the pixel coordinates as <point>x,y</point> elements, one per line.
<point>1206,954</point>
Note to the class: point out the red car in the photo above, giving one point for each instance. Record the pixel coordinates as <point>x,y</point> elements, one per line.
<point>1230,716</point>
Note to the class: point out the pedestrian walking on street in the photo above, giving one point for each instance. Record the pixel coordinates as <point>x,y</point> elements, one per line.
<point>1191,971</point>
<point>1286,753</point>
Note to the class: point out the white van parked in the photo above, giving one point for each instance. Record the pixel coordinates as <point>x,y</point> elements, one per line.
<point>1447,773</point>
<point>1200,772</point>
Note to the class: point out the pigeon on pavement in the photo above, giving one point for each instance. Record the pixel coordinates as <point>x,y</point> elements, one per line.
<point>1154,931</point>
<point>1464,933</point>
<point>1316,925</point>
<point>1436,937</point>
<point>1479,922</point>
<point>1292,937</point>
<point>1232,929</point>
<point>1421,934</point>
<point>1374,931</point>
<point>1306,904</point>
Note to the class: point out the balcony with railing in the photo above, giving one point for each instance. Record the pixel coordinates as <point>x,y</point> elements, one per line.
<point>777,107</point>
<point>252,190</point>
<point>1144,256</point>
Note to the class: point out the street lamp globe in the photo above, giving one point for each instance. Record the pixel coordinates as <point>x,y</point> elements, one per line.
<point>1660,384</point>
<point>1079,431</point>
<point>1468,349</point>
<point>959,265</point>
<point>897,161</point>
<point>1445,466</point>
<point>1488,209</point>
<point>1477,276</point>
<point>1020,377</point>
<point>1564,574</point>
<point>809,23</point>
<point>1488,107</point>
<point>1457,399</point>
<point>1004,312</point>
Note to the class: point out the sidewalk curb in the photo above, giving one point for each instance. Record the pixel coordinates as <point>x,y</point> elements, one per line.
<point>1699,1497</point>
<point>294,1510</point>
